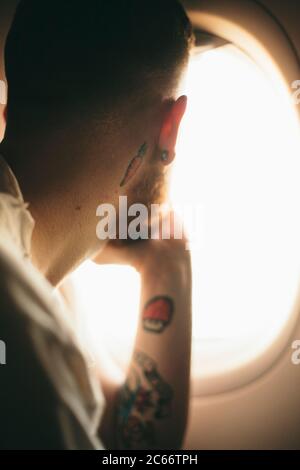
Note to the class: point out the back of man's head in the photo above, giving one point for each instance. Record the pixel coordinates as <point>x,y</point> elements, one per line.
<point>77,55</point>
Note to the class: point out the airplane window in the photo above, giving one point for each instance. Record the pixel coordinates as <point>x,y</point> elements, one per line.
<point>235,159</point>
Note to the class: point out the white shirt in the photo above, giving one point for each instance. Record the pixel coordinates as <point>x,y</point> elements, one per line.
<point>51,398</point>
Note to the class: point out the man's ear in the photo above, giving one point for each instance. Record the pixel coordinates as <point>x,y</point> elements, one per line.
<point>170,127</point>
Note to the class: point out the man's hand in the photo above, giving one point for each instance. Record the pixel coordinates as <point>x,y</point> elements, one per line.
<point>142,254</point>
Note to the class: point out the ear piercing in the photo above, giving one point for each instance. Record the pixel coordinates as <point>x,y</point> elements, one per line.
<point>165,155</point>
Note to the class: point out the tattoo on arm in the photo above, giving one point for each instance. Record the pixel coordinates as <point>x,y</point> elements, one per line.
<point>157,314</point>
<point>144,399</point>
<point>134,164</point>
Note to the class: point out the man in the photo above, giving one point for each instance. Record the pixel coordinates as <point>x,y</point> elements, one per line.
<point>92,115</point>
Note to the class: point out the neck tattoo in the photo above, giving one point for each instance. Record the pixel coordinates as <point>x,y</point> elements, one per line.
<point>135,164</point>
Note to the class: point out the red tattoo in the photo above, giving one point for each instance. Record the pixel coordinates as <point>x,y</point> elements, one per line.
<point>157,314</point>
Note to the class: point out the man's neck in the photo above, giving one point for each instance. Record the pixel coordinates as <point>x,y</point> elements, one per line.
<point>57,247</point>
<point>61,239</point>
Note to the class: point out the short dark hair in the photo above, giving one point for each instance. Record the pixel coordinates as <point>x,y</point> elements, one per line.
<point>77,52</point>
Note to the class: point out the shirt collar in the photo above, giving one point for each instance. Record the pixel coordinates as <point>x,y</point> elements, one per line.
<point>16,222</point>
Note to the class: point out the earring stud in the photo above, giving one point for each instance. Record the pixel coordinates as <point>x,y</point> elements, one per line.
<point>165,155</point>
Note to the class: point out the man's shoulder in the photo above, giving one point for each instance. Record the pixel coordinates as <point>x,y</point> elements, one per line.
<point>29,296</point>
<point>14,286</point>
<point>46,372</point>
<point>27,397</point>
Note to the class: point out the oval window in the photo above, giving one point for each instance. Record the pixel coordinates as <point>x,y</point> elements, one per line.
<point>236,158</point>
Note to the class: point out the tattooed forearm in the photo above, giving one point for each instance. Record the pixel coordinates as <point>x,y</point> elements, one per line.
<point>157,314</point>
<point>144,399</point>
<point>134,164</point>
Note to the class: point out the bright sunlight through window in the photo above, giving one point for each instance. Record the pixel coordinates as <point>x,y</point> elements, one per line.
<point>236,158</point>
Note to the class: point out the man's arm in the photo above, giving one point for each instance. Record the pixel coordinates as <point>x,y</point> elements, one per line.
<point>150,408</point>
